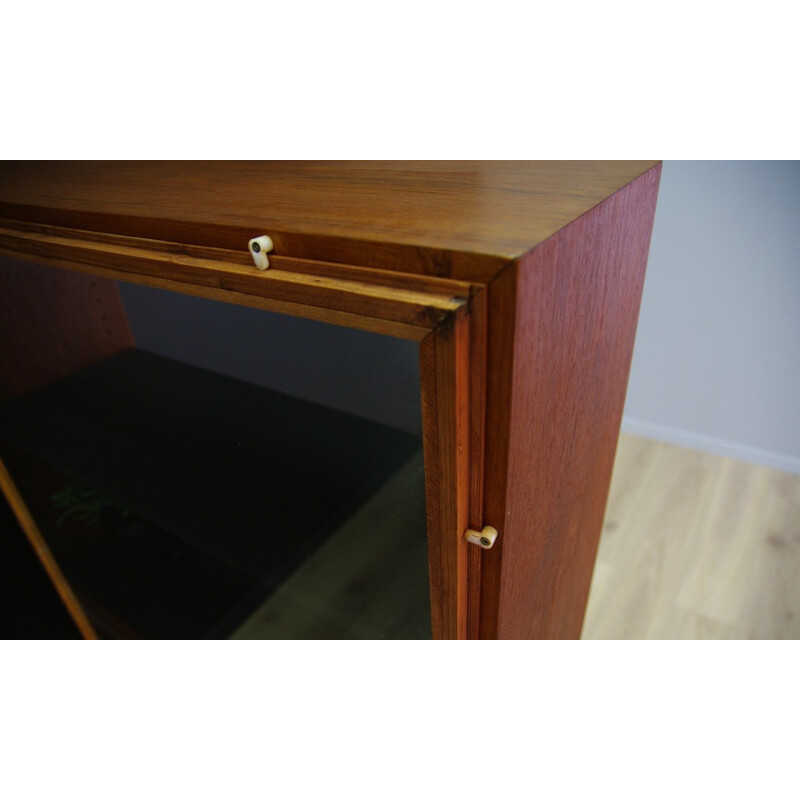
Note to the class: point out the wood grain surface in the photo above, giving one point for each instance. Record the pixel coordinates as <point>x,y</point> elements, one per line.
<point>696,546</point>
<point>458,219</point>
<point>54,322</point>
<point>370,298</point>
<point>501,302</point>
<point>478,353</point>
<point>445,389</point>
<point>576,305</point>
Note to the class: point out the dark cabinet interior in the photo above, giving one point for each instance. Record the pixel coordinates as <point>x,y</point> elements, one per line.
<point>178,500</point>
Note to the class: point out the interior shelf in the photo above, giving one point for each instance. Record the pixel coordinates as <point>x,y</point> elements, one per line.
<point>232,486</point>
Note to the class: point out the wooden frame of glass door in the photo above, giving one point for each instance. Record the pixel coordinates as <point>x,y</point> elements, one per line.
<point>435,312</point>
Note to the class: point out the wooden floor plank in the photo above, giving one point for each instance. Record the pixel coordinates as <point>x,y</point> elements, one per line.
<point>696,546</point>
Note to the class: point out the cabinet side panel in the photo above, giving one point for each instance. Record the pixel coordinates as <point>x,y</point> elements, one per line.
<point>577,304</point>
<point>53,322</point>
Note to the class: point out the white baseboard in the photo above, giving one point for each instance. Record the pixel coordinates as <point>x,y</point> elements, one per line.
<point>710,444</point>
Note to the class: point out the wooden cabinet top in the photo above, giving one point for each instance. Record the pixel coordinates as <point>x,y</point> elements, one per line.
<point>458,219</point>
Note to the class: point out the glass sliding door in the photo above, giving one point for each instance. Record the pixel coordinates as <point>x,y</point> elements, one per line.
<point>215,471</point>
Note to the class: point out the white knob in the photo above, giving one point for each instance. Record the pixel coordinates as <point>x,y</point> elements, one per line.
<point>259,247</point>
<point>484,538</point>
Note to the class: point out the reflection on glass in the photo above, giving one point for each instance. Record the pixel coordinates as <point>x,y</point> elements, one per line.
<point>184,502</point>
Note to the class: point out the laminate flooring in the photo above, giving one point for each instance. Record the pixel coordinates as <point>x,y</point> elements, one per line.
<point>696,546</point>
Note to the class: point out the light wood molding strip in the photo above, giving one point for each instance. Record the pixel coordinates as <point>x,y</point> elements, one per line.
<point>32,532</point>
<point>416,301</point>
<point>382,277</point>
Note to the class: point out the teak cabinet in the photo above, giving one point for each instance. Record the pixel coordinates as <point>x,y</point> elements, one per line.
<point>520,282</point>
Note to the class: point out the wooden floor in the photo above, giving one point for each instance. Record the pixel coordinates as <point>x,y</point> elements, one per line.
<point>696,546</point>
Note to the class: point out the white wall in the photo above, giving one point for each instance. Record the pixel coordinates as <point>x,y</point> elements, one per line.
<point>717,359</point>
